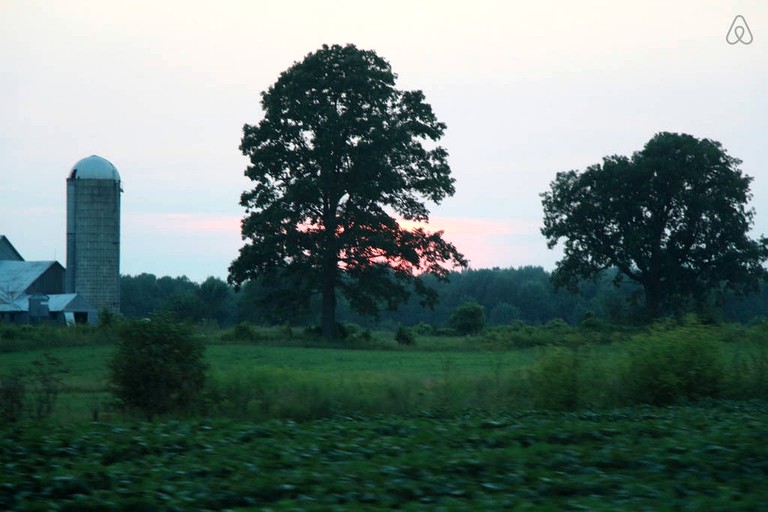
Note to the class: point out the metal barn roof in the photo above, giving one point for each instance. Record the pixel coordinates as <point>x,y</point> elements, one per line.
<point>17,276</point>
<point>68,302</point>
<point>8,251</point>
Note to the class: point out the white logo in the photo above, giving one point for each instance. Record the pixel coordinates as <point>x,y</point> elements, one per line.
<point>739,31</point>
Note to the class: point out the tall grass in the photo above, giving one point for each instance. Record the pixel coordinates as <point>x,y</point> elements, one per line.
<point>665,364</point>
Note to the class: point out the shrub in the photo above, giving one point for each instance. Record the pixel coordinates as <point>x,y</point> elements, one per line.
<point>404,336</point>
<point>554,379</point>
<point>108,318</point>
<point>747,375</point>
<point>46,385</point>
<point>364,336</point>
<point>12,394</point>
<point>245,331</point>
<point>157,367</point>
<point>423,329</point>
<point>590,322</point>
<point>33,392</point>
<point>672,364</point>
<point>469,318</point>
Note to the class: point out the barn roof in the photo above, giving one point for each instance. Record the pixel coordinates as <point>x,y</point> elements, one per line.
<point>68,302</point>
<point>17,276</point>
<point>8,251</point>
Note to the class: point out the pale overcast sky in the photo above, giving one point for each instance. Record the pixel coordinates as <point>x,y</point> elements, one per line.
<point>527,89</point>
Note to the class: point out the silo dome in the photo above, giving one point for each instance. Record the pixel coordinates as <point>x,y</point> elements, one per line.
<point>94,168</point>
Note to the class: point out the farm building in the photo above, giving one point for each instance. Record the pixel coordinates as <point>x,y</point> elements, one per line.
<point>33,291</point>
<point>93,232</point>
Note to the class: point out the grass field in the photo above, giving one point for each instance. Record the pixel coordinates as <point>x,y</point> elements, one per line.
<point>247,369</point>
<point>276,379</point>
<point>450,424</point>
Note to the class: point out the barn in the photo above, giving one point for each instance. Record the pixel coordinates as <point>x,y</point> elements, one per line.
<point>33,291</point>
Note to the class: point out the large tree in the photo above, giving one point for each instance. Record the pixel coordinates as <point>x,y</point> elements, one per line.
<point>672,218</point>
<point>339,153</point>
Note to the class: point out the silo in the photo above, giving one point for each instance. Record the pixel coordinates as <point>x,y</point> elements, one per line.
<point>93,232</point>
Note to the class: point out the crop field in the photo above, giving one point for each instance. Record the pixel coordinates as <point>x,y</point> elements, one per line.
<point>449,424</point>
<point>709,457</point>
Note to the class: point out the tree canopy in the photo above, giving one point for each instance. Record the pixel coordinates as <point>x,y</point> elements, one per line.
<point>672,218</point>
<point>338,155</point>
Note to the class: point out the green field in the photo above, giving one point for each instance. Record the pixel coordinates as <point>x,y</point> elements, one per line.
<point>711,457</point>
<point>449,424</point>
<point>306,379</point>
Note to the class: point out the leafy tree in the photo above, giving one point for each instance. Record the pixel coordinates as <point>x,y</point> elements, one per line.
<point>215,295</point>
<point>340,151</point>
<point>183,307</point>
<point>469,318</point>
<point>144,294</point>
<point>672,218</point>
<point>139,295</point>
<point>504,313</point>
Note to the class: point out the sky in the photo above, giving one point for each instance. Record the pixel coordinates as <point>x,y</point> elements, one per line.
<point>162,89</point>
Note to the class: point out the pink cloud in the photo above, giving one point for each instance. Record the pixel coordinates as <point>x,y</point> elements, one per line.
<point>466,226</point>
<point>484,242</point>
<point>489,242</point>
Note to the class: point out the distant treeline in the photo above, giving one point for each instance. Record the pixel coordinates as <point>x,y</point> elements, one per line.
<point>507,295</point>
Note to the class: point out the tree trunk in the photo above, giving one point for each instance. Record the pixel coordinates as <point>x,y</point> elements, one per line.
<point>330,271</point>
<point>652,289</point>
<point>328,314</point>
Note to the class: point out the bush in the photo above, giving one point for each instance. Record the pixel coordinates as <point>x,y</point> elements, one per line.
<point>423,329</point>
<point>46,385</point>
<point>404,336</point>
<point>469,318</point>
<point>157,367</point>
<point>747,375</point>
<point>33,392</point>
<point>590,322</point>
<point>13,390</point>
<point>672,364</point>
<point>244,331</point>
<point>554,379</point>
<point>362,336</point>
<point>108,318</point>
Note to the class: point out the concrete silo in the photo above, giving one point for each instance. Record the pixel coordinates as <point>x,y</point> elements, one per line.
<point>93,232</point>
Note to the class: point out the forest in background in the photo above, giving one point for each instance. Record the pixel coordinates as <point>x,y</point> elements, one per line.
<point>524,294</point>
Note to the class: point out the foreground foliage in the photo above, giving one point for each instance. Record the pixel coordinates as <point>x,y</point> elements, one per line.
<point>709,457</point>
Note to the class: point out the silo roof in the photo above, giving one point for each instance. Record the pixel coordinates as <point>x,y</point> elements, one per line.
<point>94,168</point>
